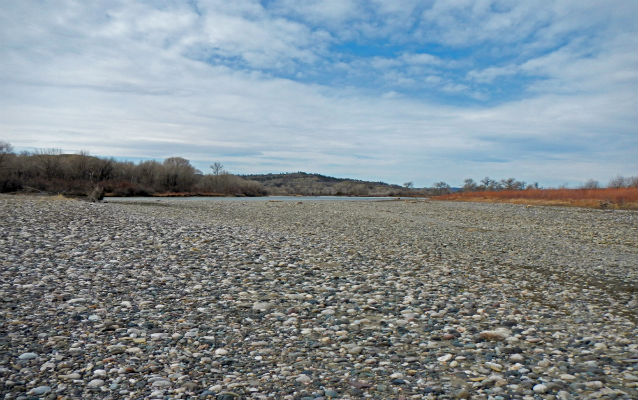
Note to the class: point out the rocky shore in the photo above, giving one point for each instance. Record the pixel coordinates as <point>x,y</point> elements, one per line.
<point>316,300</point>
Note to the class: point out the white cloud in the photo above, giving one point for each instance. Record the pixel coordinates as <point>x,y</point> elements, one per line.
<point>134,81</point>
<point>421,58</point>
<point>465,22</point>
<point>265,43</point>
<point>577,68</point>
<point>384,63</point>
<point>330,12</point>
<point>489,74</point>
<point>454,87</point>
<point>469,22</point>
<point>433,79</point>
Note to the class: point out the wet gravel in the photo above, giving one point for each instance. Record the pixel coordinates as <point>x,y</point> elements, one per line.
<point>316,300</point>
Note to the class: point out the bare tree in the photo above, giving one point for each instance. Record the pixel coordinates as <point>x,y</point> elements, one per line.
<point>8,181</point>
<point>48,170</point>
<point>179,174</point>
<point>620,182</point>
<point>100,169</point>
<point>591,184</point>
<point>469,185</point>
<point>149,173</point>
<point>488,183</point>
<point>442,188</point>
<point>5,147</point>
<point>49,162</point>
<point>77,165</point>
<point>408,185</point>
<point>5,150</point>
<point>217,168</point>
<point>512,184</point>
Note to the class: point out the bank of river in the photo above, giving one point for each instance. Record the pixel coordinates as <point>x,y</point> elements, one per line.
<point>240,199</point>
<point>316,299</point>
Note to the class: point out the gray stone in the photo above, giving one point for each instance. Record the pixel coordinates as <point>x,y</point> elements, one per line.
<point>540,388</point>
<point>28,356</point>
<point>40,390</point>
<point>95,383</point>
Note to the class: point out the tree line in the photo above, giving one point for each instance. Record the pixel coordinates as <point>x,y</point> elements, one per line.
<point>492,185</point>
<point>50,171</point>
<point>489,184</point>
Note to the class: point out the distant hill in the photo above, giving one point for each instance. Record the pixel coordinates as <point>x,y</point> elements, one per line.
<point>302,183</point>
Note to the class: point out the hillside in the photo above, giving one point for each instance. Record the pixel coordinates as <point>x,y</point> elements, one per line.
<point>301,183</point>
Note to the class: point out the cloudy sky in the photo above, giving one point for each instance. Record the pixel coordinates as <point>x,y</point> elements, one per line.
<point>409,90</point>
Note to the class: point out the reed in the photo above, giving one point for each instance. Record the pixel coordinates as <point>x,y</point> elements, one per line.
<point>617,198</point>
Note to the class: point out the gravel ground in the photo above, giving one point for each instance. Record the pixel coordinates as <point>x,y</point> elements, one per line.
<point>311,300</point>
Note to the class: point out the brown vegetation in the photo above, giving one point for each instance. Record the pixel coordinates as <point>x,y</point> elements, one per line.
<point>617,198</point>
<point>50,171</point>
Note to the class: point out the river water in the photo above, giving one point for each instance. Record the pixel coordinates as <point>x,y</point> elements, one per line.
<point>264,198</point>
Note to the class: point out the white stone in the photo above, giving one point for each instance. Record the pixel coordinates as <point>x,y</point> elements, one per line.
<point>496,334</point>
<point>70,377</point>
<point>630,377</point>
<point>594,384</point>
<point>540,388</point>
<point>262,306</point>
<point>494,366</point>
<point>47,365</point>
<point>133,350</point>
<point>303,378</point>
<point>159,335</point>
<point>221,352</point>
<point>95,383</point>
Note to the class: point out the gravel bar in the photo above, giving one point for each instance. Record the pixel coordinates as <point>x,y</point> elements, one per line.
<point>170,299</point>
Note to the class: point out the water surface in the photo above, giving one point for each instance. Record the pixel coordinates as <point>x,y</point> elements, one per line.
<point>264,198</point>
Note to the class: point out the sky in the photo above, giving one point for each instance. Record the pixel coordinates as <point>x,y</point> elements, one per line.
<point>394,91</point>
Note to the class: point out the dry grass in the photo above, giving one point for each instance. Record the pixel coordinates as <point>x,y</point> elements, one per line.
<point>614,198</point>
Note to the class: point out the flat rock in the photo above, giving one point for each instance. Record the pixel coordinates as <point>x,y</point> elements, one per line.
<point>40,390</point>
<point>28,356</point>
<point>95,383</point>
<point>496,334</point>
